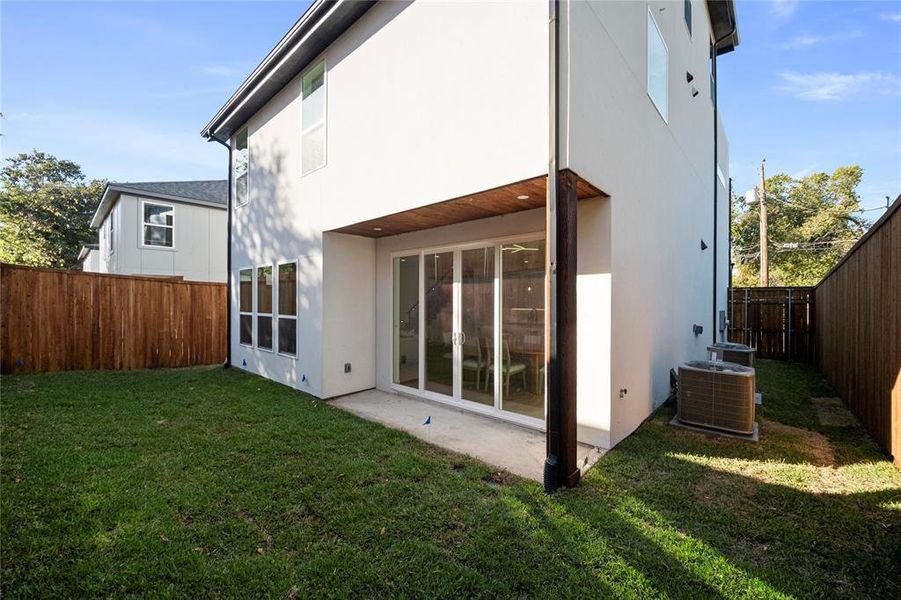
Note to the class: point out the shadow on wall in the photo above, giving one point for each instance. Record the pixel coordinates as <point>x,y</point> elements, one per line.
<point>270,229</point>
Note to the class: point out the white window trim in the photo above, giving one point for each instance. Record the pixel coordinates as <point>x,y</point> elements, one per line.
<point>142,224</point>
<point>243,313</point>
<point>246,173</point>
<point>304,128</point>
<point>665,117</point>
<point>278,314</point>
<point>256,309</point>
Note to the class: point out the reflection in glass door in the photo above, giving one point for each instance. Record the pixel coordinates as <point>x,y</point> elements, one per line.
<point>469,325</point>
<point>406,321</point>
<point>522,325</point>
<point>477,324</point>
<point>440,338</point>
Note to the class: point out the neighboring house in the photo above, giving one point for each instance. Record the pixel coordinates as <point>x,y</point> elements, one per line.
<point>390,162</point>
<point>167,228</point>
<point>89,257</point>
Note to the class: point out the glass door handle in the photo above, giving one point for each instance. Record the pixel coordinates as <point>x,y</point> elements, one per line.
<point>462,337</point>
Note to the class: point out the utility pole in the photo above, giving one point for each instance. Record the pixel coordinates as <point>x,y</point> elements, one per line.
<point>764,238</point>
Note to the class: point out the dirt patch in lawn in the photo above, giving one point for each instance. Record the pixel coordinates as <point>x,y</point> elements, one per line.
<point>724,491</point>
<point>831,412</point>
<point>811,443</point>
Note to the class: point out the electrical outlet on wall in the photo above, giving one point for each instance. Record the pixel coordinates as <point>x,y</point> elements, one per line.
<point>347,367</point>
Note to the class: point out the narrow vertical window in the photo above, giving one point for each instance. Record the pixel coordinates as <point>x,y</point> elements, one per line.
<point>111,234</point>
<point>287,308</point>
<point>159,225</point>
<point>312,134</point>
<point>264,308</point>
<point>688,16</point>
<point>245,306</point>
<point>658,68</point>
<point>241,165</point>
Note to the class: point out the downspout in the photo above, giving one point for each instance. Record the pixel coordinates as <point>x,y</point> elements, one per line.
<point>228,259</point>
<point>554,415</point>
<point>716,45</point>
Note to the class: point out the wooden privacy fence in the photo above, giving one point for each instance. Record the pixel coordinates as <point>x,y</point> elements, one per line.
<point>858,322</point>
<point>778,322</point>
<point>69,320</point>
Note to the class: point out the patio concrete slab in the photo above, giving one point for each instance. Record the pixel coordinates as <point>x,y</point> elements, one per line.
<point>517,449</point>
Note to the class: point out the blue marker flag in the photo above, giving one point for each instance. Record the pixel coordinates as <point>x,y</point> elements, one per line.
<point>428,421</point>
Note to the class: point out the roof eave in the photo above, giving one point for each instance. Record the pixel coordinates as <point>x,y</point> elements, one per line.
<point>724,23</point>
<point>316,29</point>
<point>107,201</point>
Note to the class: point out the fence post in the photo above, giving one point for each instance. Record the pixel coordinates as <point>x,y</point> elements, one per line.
<point>745,334</point>
<point>789,324</point>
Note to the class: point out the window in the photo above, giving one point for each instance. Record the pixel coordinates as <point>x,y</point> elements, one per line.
<point>264,308</point>
<point>245,306</point>
<point>158,224</point>
<point>312,134</point>
<point>688,16</point>
<point>110,235</point>
<point>242,163</point>
<point>658,68</point>
<point>287,308</point>
<point>712,77</point>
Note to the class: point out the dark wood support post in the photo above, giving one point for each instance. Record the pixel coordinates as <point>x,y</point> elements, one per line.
<point>561,468</point>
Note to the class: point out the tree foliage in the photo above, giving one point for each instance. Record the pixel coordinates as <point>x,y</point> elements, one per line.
<point>811,223</point>
<point>46,207</point>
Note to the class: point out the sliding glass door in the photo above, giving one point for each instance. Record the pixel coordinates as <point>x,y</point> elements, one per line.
<point>479,336</point>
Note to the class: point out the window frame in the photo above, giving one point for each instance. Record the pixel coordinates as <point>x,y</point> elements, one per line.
<point>243,313</point>
<point>323,122</point>
<point>246,131</point>
<point>664,114</point>
<point>256,308</point>
<point>277,307</point>
<point>111,230</point>
<point>142,224</point>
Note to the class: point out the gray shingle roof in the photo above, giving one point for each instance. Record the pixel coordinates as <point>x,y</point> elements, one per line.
<point>205,191</point>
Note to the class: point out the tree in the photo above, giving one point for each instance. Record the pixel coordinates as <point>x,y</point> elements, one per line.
<point>45,210</point>
<point>811,223</point>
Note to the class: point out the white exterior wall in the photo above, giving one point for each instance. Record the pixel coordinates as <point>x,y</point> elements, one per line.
<point>425,102</point>
<point>659,176</point>
<point>91,262</point>
<point>432,101</point>
<point>199,242</point>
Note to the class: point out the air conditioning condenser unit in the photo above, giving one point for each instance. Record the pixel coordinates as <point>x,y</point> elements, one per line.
<point>718,395</point>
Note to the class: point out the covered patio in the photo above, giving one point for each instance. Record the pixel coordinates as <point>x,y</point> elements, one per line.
<point>519,450</point>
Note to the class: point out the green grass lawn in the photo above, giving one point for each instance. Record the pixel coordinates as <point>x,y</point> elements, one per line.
<point>205,482</point>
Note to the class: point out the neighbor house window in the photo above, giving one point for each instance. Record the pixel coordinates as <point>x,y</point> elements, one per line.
<point>242,163</point>
<point>312,134</point>
<point>245,305</point>
<point>287,308</point>
<point>159,224</point>
<point>111,233</point>
<point>688,15</point>
<point>658,67</point>
<point>264,308</point>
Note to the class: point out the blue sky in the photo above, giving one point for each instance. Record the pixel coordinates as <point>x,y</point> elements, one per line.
<point>123,88</point>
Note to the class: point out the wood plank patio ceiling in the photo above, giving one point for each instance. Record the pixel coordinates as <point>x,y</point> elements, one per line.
<point>514,197</point>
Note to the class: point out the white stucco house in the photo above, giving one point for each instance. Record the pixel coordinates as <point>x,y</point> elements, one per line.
<point>390,167</point>
<point>165,228</point>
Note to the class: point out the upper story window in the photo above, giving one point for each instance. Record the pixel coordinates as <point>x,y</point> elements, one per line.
<point>312,133</point>
<point>658,68</point>
<point>242,163</point>
<point>688,15</point>
<point>159,224</point>
<point>111,231</point>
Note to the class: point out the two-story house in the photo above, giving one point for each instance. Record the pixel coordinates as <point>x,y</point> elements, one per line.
<point>389,166</point>
<point>165,228</point>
